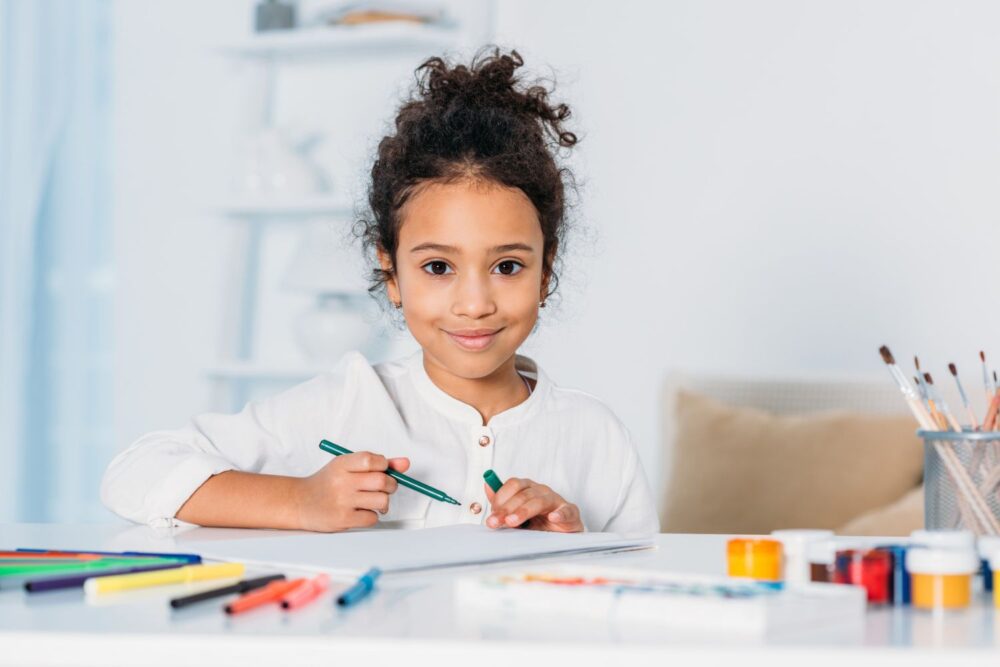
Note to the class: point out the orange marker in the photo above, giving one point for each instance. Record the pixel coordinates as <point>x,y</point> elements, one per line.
<point>270,593</point>
<point>305,593</point>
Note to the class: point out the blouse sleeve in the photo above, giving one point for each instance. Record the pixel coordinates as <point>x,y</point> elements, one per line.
<point>635,512</point>
<point>150,480</point>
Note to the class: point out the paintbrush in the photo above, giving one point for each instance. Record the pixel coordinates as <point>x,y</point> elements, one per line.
<point>909,394</point>
<point>965,399</point>
<point>981,513</point>
<point>920,390</point>
<point>990,389</point>
<point>934,397</point>
<point>989,422</point>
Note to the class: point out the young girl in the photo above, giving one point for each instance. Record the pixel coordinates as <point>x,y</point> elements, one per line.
<point>467,212</point>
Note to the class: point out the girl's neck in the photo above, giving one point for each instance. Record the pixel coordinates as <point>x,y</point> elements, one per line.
<point>490,395</point>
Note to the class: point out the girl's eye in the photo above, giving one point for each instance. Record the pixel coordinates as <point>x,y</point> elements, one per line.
<point>437,268</point>
<point>509,267</point>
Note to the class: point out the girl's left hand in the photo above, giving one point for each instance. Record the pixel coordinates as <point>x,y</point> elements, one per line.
<point>528,504</point>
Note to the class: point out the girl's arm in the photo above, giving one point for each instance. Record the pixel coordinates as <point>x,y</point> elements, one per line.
<point>345,493</point>
<point>270,441</point>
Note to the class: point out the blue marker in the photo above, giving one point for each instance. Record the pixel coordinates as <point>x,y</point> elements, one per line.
<point>360,589</point>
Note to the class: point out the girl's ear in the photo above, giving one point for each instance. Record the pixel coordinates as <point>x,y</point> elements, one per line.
<point>389,271</point>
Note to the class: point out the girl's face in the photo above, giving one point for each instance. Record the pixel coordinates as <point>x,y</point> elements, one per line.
<point>468,271</point>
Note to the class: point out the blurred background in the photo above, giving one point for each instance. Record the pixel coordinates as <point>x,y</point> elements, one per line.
<point>768,189</point>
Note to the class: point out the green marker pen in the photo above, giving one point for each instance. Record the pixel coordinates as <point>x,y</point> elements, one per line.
<point>404,480</point>
<point>492,479</point>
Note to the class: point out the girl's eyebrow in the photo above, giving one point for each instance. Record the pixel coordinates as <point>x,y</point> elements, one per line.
<point>507,247</point>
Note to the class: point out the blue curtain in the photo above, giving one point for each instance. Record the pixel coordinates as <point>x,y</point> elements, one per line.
<point>56,275</point>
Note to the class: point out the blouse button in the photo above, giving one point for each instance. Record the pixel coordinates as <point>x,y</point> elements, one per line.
<point>475,508</point>
<point>484,441</point>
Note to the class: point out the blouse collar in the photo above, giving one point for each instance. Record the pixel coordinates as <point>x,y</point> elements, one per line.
<point>463,412</point>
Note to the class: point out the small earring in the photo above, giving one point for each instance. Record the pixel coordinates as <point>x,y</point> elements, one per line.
<point>398,305</point>
<point>541,304</point>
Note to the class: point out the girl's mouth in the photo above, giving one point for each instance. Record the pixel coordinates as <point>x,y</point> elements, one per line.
<point>474,339</point>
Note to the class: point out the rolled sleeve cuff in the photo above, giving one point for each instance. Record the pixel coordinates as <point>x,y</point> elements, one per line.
<point>167,497</point>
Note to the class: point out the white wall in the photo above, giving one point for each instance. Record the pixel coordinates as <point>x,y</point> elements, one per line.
<point>779,187</point>
<point>775,187</point>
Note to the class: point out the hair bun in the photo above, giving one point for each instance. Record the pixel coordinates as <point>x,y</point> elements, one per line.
<point>491,81</point>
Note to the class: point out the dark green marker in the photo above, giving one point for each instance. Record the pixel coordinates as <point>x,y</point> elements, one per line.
<point>492,479</point>
<point>408,482</point>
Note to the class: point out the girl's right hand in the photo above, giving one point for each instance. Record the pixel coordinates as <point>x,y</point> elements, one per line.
<point>348,492</point>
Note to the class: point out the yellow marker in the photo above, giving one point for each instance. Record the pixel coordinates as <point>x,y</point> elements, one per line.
<point>180,575</point>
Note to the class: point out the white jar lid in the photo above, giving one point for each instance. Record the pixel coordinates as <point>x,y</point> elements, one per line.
<point>941,561</point>
<point>988,545</point>
<point>944,539</point>
<point>796,540</point>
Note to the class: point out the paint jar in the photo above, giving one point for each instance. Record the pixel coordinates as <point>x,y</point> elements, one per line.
<point>794,547</point>
<point>754,558</point>
<point>822,560</point>
<point>995,571</point>
<point>869,568</point>
<point>941,578</point>
<point>988,546</point>
<point>899,578</point>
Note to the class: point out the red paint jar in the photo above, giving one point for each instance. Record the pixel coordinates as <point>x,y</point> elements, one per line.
<point>870,568</point>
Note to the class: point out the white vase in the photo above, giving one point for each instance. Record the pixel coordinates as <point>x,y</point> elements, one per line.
<point>334,325</point>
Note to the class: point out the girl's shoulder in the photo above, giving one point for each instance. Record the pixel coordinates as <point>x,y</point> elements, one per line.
<point>573,406</point>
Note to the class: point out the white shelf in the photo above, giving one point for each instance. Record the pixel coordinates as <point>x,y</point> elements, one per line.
<point>337,39</point>
<point>287,207</point>
<point>247,370</point>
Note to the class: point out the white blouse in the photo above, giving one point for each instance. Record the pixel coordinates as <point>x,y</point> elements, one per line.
<point>563,438</point>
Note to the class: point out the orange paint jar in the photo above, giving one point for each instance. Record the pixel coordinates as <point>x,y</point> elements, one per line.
<point>754,558</point>
<point>941,578</point>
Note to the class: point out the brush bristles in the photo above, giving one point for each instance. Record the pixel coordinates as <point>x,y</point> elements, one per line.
<point>953,369</point>
<point>886,355</point>
<point>916,362</point>
<point>927,376</point>
<point>982,356</point>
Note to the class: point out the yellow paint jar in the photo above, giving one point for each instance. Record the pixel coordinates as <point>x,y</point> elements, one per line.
<point>995,569</point>
<point>754,558</point>
<point>941,578</point>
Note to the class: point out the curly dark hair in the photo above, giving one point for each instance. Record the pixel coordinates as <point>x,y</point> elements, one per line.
<point>471,122</point>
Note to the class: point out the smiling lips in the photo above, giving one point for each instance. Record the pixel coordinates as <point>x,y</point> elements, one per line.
<point>473,339</point>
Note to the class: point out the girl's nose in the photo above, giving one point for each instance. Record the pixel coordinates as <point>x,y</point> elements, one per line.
<point>473,297</point>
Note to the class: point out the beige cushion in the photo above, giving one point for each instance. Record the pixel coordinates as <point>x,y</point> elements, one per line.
<point>742,470</point>
<point>894,520</point>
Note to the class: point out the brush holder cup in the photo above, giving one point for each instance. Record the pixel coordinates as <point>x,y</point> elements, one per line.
<point>962,481</point>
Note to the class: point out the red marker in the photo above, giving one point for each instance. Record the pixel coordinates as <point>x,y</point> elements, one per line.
<point>305,593</point>
<point>273,592</point>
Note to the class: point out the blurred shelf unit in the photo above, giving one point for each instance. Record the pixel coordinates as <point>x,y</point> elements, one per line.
<point>307,206</point>
<point>248,370</point>
<point>342,40</point>
<point>240,374</point>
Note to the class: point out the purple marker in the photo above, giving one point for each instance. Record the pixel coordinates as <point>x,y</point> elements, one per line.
<point>77,580</point>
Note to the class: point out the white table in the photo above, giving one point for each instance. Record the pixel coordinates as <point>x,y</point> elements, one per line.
<point>411,620</point>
